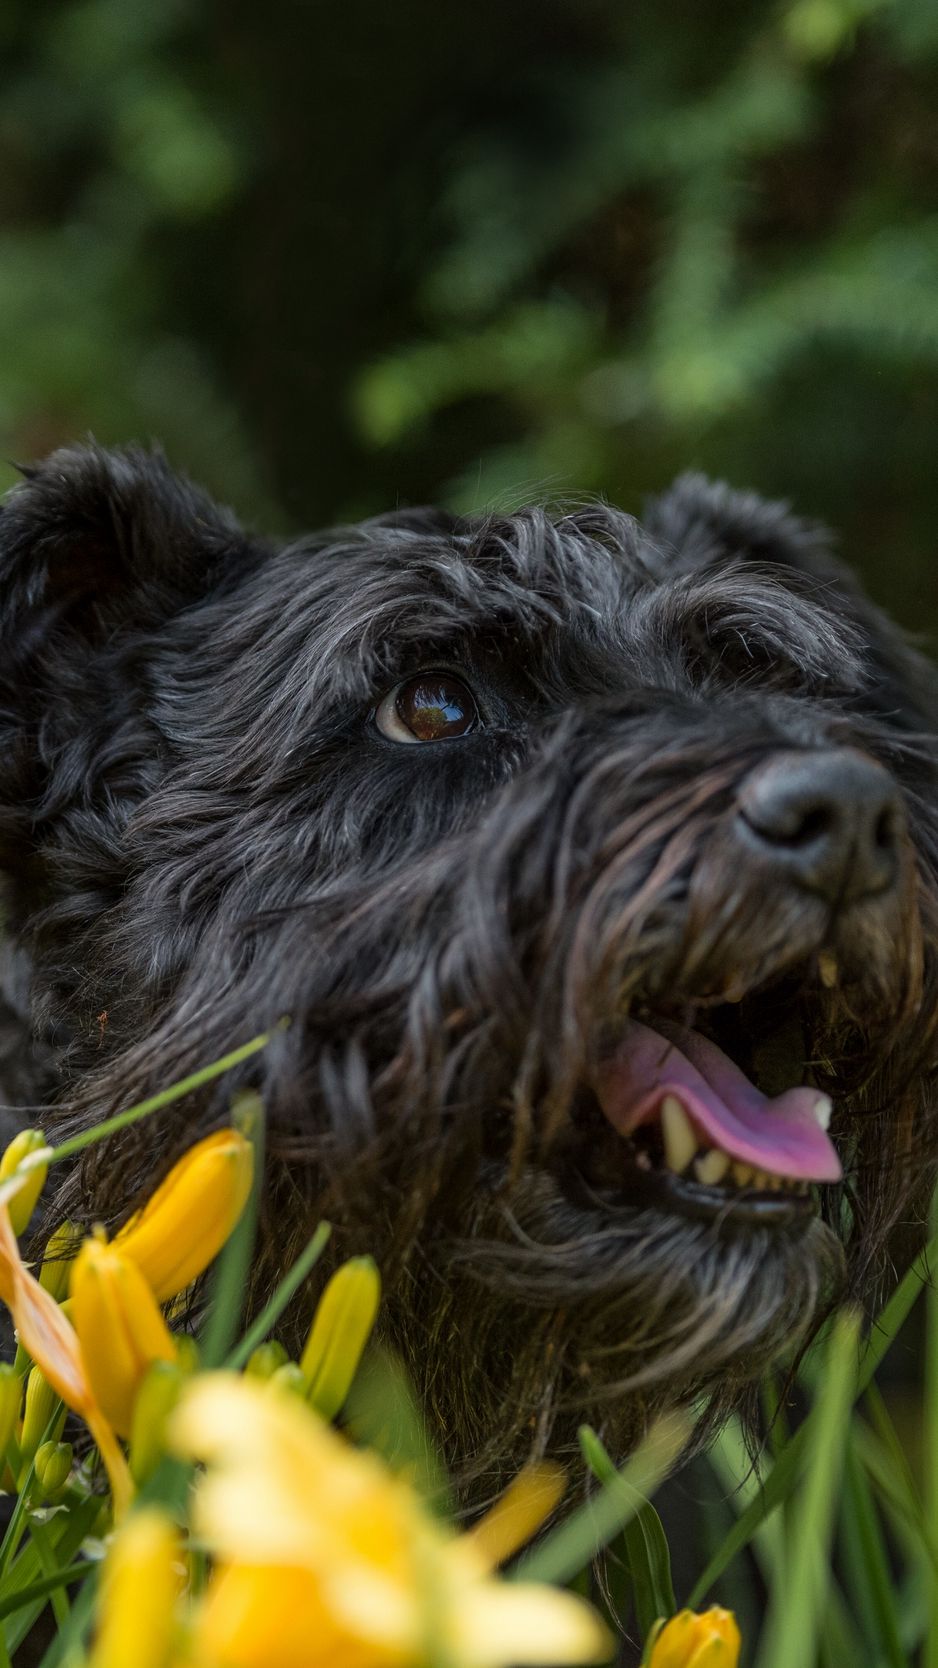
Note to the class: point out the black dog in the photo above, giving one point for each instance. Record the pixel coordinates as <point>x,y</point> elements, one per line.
<point>588,860</point>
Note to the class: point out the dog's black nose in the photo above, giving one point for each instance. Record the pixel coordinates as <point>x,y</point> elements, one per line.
<point>830,819</point>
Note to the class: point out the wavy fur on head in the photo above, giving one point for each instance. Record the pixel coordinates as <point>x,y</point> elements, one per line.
<point>202,829</point>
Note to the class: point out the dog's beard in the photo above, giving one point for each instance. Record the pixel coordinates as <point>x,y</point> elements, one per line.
<point>542,1318</point>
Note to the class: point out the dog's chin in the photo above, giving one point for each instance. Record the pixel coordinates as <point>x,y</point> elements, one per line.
<point>574,1307</point>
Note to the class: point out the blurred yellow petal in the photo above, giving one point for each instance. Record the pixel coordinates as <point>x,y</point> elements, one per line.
<point>182,1228</point>
<point>140,1583</point>
<point>363,1575</point>
<point>708,1640</point>
<point>524,1506</point>
<point>249,1612</point>
<point>522,1623</point>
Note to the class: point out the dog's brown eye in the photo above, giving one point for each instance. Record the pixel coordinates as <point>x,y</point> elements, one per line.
<point>430,707</point>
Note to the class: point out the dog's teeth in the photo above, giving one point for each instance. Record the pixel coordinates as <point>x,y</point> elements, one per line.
<point>823,1107</point>
<point>711,1168</point>
<point>743,1174</point>
<point>680,1142</point>
<point>828,970</point>
<point>643,1161</point>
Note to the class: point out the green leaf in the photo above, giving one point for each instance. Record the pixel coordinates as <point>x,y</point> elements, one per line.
<point>646,1544</point>
<point>794,1617</point>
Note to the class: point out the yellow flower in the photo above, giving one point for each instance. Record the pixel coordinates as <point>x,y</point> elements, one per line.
<point>23,1202</point>
<point>140,1583</point>
<point>688,1640</point>
<point>323,1556</point>
<point>192,1213</point>
<point>119,1326</point>
<point>341,1328</point>
<point>50,1341</point>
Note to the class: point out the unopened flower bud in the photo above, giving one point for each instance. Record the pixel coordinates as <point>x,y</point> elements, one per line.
<point>688,1640</point>
<point>23,1203</point>
<point>53,1467</point>
<point>182,1228</point>
<point>341,1328</point>
<point>120,1328</point>
<point>59,1260</point>
<point>40,1404</point>
<point>264,1361</point>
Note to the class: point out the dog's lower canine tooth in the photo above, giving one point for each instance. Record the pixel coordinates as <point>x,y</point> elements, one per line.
<point>823,1107</point>
<point>711,1168</point>
<point>680,1142</point>
<point>828,970</point>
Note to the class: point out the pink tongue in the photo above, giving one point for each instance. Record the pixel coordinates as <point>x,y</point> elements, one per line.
<point>782,1135</point>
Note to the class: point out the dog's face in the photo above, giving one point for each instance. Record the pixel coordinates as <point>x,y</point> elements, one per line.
<point>594,867</point>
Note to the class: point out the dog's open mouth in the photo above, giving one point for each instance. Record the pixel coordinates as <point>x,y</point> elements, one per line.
<point>702,1139</point>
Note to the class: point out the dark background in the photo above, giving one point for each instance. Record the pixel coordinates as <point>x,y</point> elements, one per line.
<point>342,254</point>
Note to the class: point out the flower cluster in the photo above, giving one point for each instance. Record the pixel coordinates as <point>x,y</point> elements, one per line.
<point>291,1545</point>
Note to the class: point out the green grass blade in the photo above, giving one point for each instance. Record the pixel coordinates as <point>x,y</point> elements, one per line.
<point>646,1545</point>
<point>155,1103</point>
<point>873,1589</point>
<point>45,1587</point>
<point>730,1460</point>
<point>791,1631</point>
<point>786,1470</point>
<point>575,1543</point>
<point>272,1310</point>
<point>76,1524</point>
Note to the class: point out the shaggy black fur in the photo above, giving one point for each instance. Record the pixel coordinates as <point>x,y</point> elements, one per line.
<point>203,829</point>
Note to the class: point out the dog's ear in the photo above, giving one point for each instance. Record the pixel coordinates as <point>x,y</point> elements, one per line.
<point>698,523</point>
<point>95,539</point>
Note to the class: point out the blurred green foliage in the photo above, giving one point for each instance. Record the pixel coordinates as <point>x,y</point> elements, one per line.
<point>335,256</point>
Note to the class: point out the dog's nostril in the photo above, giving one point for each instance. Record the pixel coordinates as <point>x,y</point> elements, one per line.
<point>831,821</point>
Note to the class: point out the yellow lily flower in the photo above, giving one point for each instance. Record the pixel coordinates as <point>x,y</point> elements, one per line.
<point>342,1325</point>
<point>119,1326</point>
<point>323,1556</point>
<point>141,1580</point>
<point>182,1228</point>
<point>689,1640</point>
<point>51,1342</point>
